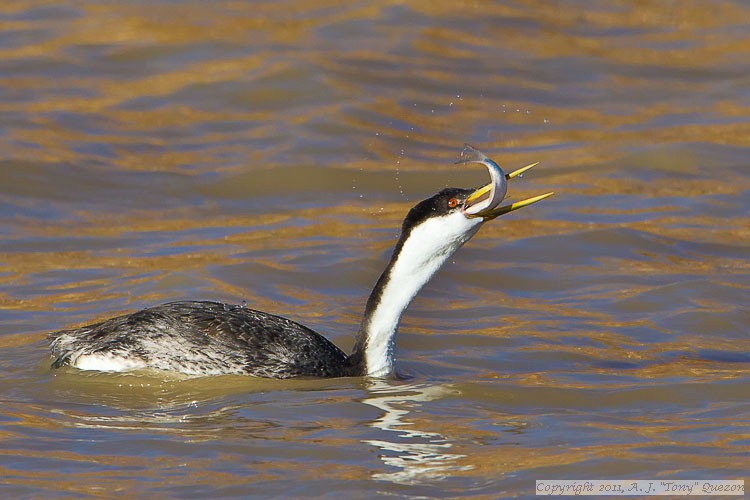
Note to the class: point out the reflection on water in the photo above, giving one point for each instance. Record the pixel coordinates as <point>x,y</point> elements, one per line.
<point>264,152</point>
<point>418,454</point>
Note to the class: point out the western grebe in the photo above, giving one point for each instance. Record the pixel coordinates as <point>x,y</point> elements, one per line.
<point>212,338</point>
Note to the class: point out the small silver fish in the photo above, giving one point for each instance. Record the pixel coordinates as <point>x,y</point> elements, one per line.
<point>498,186</point>
<point>496,190</point>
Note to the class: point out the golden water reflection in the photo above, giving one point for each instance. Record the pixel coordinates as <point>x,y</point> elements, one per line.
<point>267,153</point>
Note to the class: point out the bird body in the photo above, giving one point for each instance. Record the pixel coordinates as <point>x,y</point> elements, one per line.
<point>210,338</point>
<point>202,338</point>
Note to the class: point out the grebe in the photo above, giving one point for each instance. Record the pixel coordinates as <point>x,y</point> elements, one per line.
<point>211,338</point>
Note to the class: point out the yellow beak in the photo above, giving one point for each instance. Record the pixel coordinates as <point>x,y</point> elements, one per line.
<point>482,193</point>
<point>497,212</point>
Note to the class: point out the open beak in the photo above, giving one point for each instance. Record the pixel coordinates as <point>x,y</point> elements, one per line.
<point>484,201</point>
<point>497,212</point>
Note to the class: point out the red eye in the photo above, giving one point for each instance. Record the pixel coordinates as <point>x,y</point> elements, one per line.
<point>452,203</point>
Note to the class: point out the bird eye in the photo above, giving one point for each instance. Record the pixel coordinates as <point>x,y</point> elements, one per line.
<point>452,203</point>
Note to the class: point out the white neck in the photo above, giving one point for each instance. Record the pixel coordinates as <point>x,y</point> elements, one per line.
<point>427,247</point>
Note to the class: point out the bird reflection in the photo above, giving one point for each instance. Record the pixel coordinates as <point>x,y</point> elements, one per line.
<point>417,454</point>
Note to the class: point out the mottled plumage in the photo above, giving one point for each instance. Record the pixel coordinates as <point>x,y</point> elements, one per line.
<point>204,338</point>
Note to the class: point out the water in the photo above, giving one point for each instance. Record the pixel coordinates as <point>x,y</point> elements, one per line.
<point>267,152</point>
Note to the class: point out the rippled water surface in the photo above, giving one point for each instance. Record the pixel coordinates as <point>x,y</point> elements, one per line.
<point>267,152</point>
